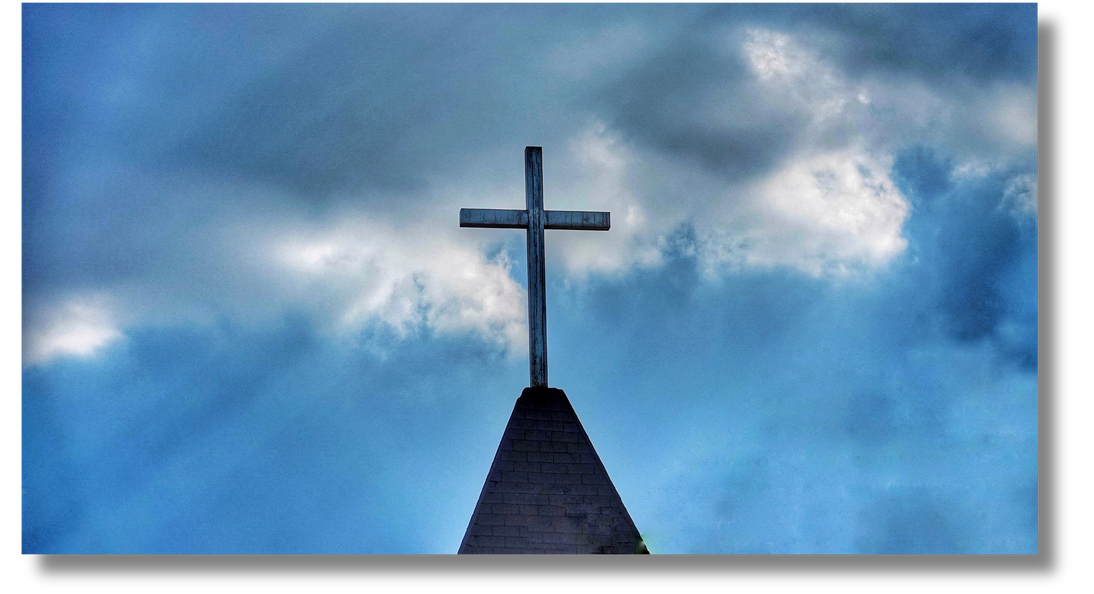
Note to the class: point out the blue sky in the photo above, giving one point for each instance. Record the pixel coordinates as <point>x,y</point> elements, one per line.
<point>252,324</point>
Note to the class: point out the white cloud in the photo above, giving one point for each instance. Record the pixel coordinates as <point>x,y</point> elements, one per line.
<point>880,114</point>
<point>1012,116</point>
<point>1020,195</point>
<point>830,209</point>
<point>831,214</point>
<point>357,271</point>
<point>796,79</point>
<point>599,175</point>
<point>77,327</point>
<point>345,270</point>
<point>824,213</point>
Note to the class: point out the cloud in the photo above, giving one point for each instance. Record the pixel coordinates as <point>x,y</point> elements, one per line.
<point>77,327</point>
<point>599,51</point>
<point>824,206</point>
<point>600,173</point>
<point>1020,195</point>
<point>246,294</point>
<point>346,271</point>
<point>977,240</point>
<point>828,215</point>
<point>363,272</point>
<point>756,133</point>
<point>938,44</point>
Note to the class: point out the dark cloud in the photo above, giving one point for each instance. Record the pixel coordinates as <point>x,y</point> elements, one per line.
<point>659,104</point>
<point>315,99</point>
<point>982,255</point>
<point>306,125</point>
<point>940,43</point>
<point>763,411</point>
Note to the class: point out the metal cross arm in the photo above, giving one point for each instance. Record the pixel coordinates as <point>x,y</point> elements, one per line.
<point>518,219</point>
<point>534,220</point>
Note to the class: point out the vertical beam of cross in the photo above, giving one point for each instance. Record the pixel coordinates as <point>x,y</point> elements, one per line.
<point>534,219</point>
<point>537,289</point>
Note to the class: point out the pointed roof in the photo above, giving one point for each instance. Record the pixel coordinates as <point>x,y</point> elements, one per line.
<point>547,491</point>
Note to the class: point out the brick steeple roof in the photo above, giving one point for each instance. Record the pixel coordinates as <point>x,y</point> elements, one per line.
<point>547,491</point>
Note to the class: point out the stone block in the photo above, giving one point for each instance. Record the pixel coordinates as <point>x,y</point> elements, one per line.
<point>538,414</point>
<point>555,467</point>
<point>575,448</point>
<point>554,538</point>
<point>540,523</point>
<point>504,488</point>
<point>524,498</point>
<point>576,539</point>
<point>492,541</point>
<point>480,529</point>
<point>551,488</point>
<point>593,500</point>
<point>567,498</point>
<point>527,466</point>
<point>585,489</point>
<point>516,542</point>
<point>517,520</point>
<point>524,445</point>
<point>581,468</point>
<point>600,530</point>
<point>546,425</point>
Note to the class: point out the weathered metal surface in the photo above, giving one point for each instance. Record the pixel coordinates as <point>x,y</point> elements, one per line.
<point>578,220</point>
<point>534,219</point>
<point>518,219</point>
<point>537,284</point>
<point>492,217</point>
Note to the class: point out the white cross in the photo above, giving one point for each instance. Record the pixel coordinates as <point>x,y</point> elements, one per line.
<point>535,220</point>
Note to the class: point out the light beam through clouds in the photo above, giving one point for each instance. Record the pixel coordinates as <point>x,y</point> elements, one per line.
<point>247,301</point>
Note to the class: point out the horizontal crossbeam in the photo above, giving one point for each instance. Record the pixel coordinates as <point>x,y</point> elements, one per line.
<point>494,218</point>
<point>518,219</point>
<point>578,219</point>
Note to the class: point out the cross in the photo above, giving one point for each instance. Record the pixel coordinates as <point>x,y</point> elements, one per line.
<point>534,219</point>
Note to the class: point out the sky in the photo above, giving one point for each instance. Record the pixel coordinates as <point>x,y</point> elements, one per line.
<point>251,323</point>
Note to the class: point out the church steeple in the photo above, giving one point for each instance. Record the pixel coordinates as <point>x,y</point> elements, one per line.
<point>547,491</point>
